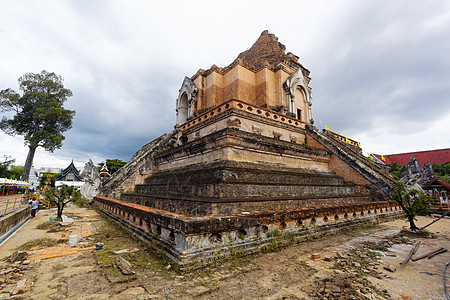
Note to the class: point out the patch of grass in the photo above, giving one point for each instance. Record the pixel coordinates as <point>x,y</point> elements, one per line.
<point>379,247</point>
<point>274,233</point>
<point>364,282</point>
<point>308,267</point>
<point>146,259</point>
<point>41,242</point>
<point>274,246</point>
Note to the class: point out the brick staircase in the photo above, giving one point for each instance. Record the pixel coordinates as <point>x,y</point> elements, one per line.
<point>371,170</point>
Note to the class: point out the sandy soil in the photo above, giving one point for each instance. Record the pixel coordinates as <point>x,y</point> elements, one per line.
<point>350,267</point>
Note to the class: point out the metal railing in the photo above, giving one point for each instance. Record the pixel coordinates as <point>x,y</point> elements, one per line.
<point>9,204</point>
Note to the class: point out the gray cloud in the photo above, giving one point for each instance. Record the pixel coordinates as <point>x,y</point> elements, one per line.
<point>376,66</point>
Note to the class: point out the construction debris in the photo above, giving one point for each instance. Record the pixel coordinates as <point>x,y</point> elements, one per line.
<point>437,253</point>
<point>124,266</point>
<point>426,255</point>
<point>126,251</point>
<point>18,256</point>
<point>435,220</point>
<point>413,250</point>
<point>390,268</point>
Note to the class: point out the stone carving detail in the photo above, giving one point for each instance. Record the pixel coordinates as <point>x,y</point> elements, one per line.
<point>186,100</point>
<point>277,134</point>
<point>413,175</point>
<point>212,129</point>
<point>257,130</point>
<point>91,178</point>
<point>293,138</point>
<point>236,123</point>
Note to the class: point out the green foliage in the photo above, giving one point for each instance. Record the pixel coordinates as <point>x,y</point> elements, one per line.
<point>412,202</point>
<point>60,197</point>
<point>113,165</point>
<point>442,171</point>
<point>3,171</point>
<point>8,170</point>
<point>77,199</point>
<point>395,169</point>
<point>446,178</point>
<point>39,114</point>
<point>15,172</point>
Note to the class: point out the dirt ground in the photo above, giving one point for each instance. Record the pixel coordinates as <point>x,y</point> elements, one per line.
<point>345,266</point>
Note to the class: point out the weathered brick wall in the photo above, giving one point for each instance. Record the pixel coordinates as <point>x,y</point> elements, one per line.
<point>343,169</point>
<point>339,166</point>
<point>140,166</point>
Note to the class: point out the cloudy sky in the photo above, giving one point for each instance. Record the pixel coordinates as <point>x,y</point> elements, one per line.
<point>380,69</point>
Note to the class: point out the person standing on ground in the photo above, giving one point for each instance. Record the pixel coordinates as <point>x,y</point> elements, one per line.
<point>34,207</point>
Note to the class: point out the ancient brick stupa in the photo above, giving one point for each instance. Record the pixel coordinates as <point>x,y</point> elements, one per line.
<point>245,161</point>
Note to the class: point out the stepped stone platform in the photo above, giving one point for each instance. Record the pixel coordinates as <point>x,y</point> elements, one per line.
<point>226,187</point>
<point>245,167</point>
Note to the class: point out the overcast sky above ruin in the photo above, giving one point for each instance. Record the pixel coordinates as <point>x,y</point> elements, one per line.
<point>380,69</point>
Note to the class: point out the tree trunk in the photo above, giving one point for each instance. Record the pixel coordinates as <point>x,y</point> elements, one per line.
<point>412,225</point>
<point>59,213</point>
<point>28,163</point>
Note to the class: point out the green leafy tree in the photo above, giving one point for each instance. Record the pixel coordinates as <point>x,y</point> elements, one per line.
<point>39,113</point>
<point>442,171</point>
<point>412,203</point>
<point>4,167</point>
<point>15,172</point>
<point>395,169</point>
<point>446,178</point>
<point>113,165</point>
<point>60,197</point>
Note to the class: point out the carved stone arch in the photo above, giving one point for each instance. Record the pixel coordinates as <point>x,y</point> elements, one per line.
<point>296,84</point>
<point>186,100</point>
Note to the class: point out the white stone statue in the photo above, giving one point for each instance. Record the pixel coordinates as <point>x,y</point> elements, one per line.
<point>91,178</point>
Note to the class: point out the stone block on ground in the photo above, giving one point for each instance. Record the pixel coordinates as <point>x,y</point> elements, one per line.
<point>390,268</point>
<point>124,266</point>
<point>315,256</point>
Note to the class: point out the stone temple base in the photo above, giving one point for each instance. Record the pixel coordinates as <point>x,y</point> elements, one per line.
<point>191,241</point>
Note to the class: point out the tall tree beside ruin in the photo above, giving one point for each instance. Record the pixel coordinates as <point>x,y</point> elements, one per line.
<point>39,113</point>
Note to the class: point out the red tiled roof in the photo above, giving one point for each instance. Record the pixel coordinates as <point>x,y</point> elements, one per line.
<point>440,181</point>
<point>433,156</point>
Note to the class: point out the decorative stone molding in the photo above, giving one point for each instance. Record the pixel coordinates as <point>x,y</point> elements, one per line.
<point>257,130</point>
<point>192,241</point>
<point>243,106</point>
